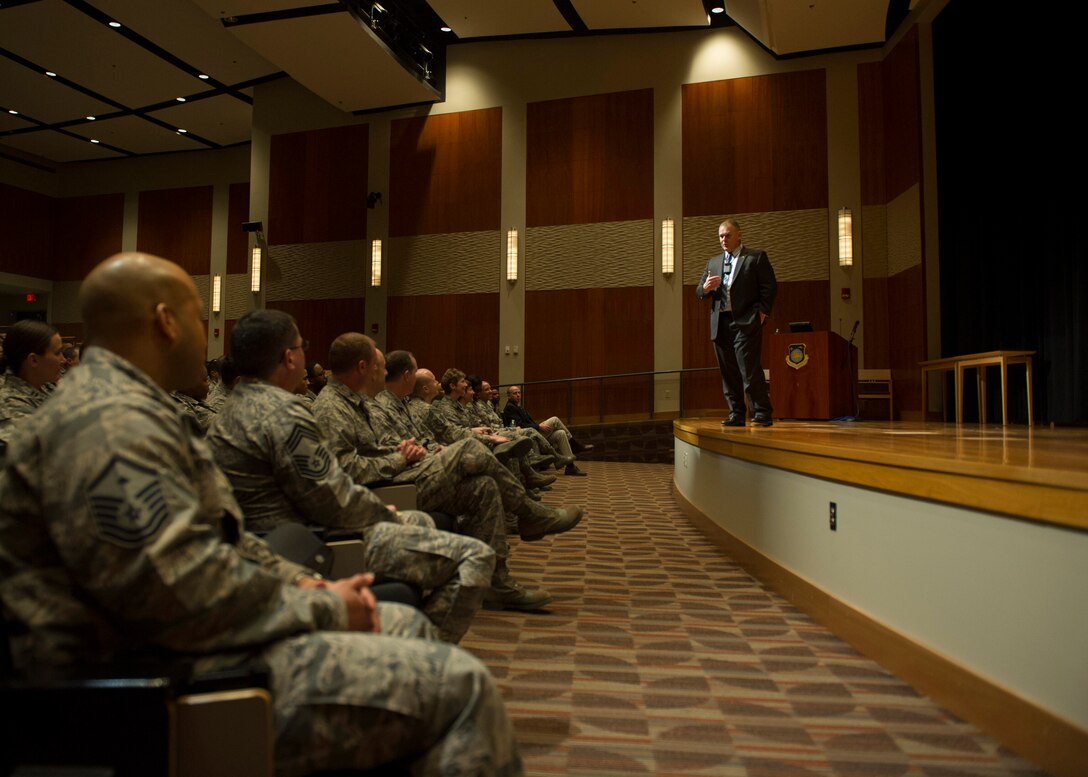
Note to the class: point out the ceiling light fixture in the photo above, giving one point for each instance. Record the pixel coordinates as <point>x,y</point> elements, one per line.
<point>446,29</point>
<point>50,73</point>
<point>182,131</point>
<point>93,140</point>
<point>204,76</point>
<point>180,99</point>
<point>13,113</point>
<point>718,9</point>
<point>90,118</point>
<point>115,25</point>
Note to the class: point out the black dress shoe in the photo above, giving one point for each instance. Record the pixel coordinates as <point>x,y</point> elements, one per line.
<point>733,420</point>
<point>763,420</point>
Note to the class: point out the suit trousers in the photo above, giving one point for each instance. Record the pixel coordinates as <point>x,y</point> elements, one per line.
<point>559,437</point>
<point>738,351</point>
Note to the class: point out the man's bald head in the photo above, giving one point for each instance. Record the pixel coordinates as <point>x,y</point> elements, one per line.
<point>120,295</point>
<point>147,310</point>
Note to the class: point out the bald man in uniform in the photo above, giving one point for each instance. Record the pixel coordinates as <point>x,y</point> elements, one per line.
<point>119,538</point>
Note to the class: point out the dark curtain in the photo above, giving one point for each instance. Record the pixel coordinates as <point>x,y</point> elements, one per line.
<point>1012,202</point>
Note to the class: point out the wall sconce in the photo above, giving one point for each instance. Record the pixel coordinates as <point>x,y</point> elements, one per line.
<point>255,270</point>
<point>217,293</point>
<point>511,255</point>
<point>375,262</point>
<point>668,247</point>
<point>846,238</point>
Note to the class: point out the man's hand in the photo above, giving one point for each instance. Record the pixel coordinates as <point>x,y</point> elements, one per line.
<point>498,439</point>
<point>545,429</point>
<point>482,429</point>
<point>410,451</point>
<point>712,282</point>
<point>362,607</point>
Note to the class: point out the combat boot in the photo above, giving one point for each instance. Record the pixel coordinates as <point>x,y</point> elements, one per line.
<point>506,593</point>
<point>514,448</point>
<point>534,479</point>
<point>541,520</point>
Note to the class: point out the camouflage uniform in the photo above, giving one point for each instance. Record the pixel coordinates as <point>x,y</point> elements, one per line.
<point>18,399</point>
<point>217,395</point>
<point>199,411</point>
<point>119,538</point>
<point>486,415</point>
<point>464,479</point>
<point>268,444</point>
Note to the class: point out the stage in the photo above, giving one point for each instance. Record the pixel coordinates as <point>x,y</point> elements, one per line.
<point>958,556</point>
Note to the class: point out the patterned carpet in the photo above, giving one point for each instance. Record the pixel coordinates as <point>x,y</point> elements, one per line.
<point>661,656</point>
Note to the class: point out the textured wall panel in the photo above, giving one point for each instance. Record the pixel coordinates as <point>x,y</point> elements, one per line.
<point>316,271</point>
<point>454,263</point>
<point>445,173</point>
<point>66,302</point>
<point>590,159</point>
<point>586,256</point>
<point>237,298</point>
<point>874,240</point>
<point>755,144</point>
<point>237,240</point>
<point>904,231</point>
<point>796,241</point>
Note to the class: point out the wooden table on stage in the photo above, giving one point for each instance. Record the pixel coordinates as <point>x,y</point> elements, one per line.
<point>979,362</point>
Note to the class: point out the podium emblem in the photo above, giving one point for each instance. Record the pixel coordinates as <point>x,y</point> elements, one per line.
<point>797,355</point>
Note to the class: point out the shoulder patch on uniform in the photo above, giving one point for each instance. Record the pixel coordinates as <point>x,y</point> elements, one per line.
<point>128,503</point>
<point>309,455</point>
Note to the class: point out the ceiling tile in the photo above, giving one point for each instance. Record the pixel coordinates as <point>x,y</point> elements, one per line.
<point>58,147</point>
<point>38,95</point>
<point>91,54</point>
<point>222,119</point>
<point>631,14</point>
<point>486,18</point>
<point>140,136</point>
<point>192,35</point>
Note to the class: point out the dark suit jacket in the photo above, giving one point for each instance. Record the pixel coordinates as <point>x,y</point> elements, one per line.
<point>752,292</point>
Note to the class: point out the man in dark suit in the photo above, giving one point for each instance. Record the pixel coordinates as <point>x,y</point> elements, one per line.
<point>741,286</point>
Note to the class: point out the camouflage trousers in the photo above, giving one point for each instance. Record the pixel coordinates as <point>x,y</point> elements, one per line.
<point>467,481</point>
<point>356,701</point>
<point>453,571</point>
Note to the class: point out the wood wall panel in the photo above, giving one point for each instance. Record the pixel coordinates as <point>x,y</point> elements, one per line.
<point>237,240</point>
<point>796,301</point>
<point>176,224</point>
<point>445,173</point>
<point>317,186</point>
<point>871,132</point>
<point>902,116</point>
<point>590,159</point>
<point>88,230</point>
<point>26,225</point>
<point>755,144</point>
<point>875,292</point>
<point>907,339</point>
<point>448,330</point>
<point>584,332</point>
<point>323,320</point>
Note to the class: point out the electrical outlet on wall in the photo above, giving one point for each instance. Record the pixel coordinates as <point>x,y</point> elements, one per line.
<point>833,517</point>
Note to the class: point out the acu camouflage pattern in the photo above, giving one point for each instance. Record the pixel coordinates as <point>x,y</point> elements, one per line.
<point>268,444</point>
<point>217,395</point>
<point>119,538</point>
<point>18,399</point>
<point>274,455</point>
<point>199,411</point>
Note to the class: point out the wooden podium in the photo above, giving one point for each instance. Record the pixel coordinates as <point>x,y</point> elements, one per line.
<point>813,375</point>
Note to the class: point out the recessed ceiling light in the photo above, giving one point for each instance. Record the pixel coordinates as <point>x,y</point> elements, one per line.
<point>181,131</point>
<point>718,9</point>
<point>50,73</point>
<point>446,29</point>
<point>94,141</point>
<point>115,25</point>
<point>203,76</point>
<point>13,113</point>
<point>180,99</point>
<point>90,118</point>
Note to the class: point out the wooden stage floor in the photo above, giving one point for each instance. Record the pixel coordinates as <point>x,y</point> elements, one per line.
<point>1032,473</point>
